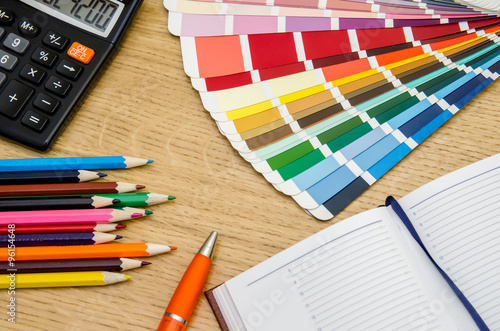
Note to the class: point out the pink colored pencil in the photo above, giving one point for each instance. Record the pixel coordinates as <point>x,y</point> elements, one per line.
<point>70,216</point>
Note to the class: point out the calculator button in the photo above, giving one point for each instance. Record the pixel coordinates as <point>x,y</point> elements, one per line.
<point>46,103</point>
<point>2,78</point>
<point>2,30</point>
<point>55,40</point>
<point>6,16</point>
<point>14,97</point>
<point>32,74</point>
<point>81,53</point>
<point>34,120</point>
<point>44,56</point>
<point>7,61</point>
<point>69,69</point>
<point>58,86</point>
<point>28,28</point>
<point>16,43</point>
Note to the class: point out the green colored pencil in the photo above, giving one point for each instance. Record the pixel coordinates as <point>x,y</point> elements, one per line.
<point>139,199</point>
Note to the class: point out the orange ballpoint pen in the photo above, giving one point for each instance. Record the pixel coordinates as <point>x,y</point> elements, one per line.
<point>188,291</point>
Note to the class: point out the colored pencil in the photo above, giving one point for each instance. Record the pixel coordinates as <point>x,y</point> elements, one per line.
<point>83,252</point>
<point>70,216</point>
<point>61,279</point>
<point>138,199</point>
<point>62,202</point>
<point>117,264</point>
<point>48,177</point>
<point>67,189</point>
<point>71,163</point>
<point>55,239</point>
<point>85,227</point>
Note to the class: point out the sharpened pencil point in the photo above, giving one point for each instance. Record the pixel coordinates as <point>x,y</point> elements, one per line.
<point>120,226</point>
<point>173,248</point>
<point>150,161</point>
<point>140,187</point>
<point>143,263</point>
<point>115,201</point>
<point>118,237</point>
<point>101,174</point>
<point>136,215</point>
<point>148,212</point>
<point>171,197</point>
<point>127,277</point>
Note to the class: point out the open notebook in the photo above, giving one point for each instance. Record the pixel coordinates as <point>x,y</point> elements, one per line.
<point>430,261</point>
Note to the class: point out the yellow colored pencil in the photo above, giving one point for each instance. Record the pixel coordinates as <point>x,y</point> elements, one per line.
<point>61,279</point>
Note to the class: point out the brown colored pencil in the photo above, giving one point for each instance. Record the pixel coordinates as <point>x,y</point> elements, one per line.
<point>67,189</point>
<point>111,264</point>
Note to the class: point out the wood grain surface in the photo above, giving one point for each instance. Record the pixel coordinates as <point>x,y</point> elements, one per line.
<point>144,106</point>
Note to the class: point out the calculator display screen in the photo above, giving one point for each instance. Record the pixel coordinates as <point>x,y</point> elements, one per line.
<point>96,16</point>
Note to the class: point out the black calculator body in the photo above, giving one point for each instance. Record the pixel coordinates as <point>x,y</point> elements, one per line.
<point>51,54</point>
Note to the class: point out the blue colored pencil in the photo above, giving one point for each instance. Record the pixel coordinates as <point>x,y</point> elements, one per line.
<point>71,163</point>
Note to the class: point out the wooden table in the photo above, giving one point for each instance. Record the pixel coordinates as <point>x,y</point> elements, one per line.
<point>144,106</point>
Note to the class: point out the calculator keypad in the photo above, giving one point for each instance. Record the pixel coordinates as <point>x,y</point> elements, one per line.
<point>46,68</point>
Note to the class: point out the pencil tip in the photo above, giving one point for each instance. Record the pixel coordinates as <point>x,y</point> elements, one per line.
<point>115,201</point>
<point>118,237</point>
<point>139,187</point>
<point>101,174</point>
<point>173,248</point>
<point>150,161</point>
<point>143,263</point>
<point>120,226</point>
<point>127,277</point>
<point>171,197</point>
<point>148,212</point>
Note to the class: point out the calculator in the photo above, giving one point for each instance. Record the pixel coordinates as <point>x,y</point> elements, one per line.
<point>52,53</point>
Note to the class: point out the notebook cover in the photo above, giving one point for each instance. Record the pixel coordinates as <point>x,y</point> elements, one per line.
<point>215,307</point>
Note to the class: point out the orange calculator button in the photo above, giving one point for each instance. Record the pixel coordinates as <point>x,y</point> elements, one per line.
<point>81,53</point>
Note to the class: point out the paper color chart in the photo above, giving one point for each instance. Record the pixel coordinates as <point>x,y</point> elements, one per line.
<point>323,97</point>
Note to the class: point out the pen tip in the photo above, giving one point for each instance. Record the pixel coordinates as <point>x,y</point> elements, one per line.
<point>148,212</point>
<point>139,187</point>
<point>101,174</point>
<point>143,263</point>
<point>171,197</point>
<point>208,247</point>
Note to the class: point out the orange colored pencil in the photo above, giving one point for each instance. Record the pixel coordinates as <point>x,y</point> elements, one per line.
<point>38,253</point>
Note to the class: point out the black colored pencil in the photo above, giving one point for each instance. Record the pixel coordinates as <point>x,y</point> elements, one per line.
<point>112,264</point>
<point>60,202</point>
<point>48,177</point>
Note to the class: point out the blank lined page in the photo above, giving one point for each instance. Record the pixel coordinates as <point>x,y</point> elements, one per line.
<point>458,219</point>
<point>351,276</point>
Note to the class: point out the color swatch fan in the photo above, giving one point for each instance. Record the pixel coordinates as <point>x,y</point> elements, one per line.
<point>324,97</point>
